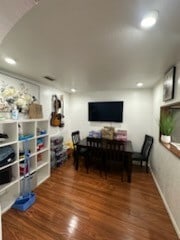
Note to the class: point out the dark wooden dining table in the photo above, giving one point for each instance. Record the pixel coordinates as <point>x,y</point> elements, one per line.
<point>128,150</point>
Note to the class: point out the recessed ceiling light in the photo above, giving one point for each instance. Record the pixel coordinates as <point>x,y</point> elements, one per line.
<point>73,90</point>
<point>140,84</point>
<point>149,20</point>
<point>10,61</point>
<point>36,2</point>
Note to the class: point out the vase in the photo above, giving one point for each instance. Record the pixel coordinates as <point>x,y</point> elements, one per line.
<point>165,139</point>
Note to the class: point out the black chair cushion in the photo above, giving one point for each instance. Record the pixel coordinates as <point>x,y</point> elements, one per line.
<point>137,156</point>
<point>83,151</point>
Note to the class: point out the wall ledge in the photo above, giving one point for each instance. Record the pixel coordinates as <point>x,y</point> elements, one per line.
<point>171,148</point>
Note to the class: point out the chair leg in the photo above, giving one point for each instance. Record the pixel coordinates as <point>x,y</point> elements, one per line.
<point>87,164</point>
<point>122,172</point>
<point>104,168</point>
<point>141,163</point>
<point>76,160</point>
<point>122,176</point>
<point>147,168</point>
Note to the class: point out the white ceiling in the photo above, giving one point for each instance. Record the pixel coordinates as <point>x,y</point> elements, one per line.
<point>94,44</point>
<point>11,12</point>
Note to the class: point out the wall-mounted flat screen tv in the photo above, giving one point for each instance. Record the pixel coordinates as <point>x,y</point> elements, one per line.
<point>105,111</point>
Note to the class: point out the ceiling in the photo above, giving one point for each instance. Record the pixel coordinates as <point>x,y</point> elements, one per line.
<point>94,45</point>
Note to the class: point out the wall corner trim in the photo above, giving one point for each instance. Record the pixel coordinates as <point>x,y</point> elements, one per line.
<point>166,205</point>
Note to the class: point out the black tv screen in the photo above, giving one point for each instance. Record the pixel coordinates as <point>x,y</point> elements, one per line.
<point>105,111</point>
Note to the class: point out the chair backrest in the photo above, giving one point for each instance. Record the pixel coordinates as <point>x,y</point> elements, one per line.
<point>75,138</point>
<point>94,142</point>
<point>147,145</point>
<point>115,149</point>
<point>95,146</point>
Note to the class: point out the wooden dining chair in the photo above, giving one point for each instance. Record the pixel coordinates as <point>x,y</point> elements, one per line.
<point>77,151</point>
<point>145,151</point>
<point>115,156</point>
<point>96,153</point>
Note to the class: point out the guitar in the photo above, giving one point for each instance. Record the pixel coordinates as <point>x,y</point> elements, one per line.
<point>56,116</point>
<point>62,111</point>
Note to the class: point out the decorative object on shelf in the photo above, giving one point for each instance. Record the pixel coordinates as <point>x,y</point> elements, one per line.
<point>15,92</point>
<point>169,83</point>
<point>35,111</point>
<point>14,113</point>
<point>166,124</point>
<point>11,97</point>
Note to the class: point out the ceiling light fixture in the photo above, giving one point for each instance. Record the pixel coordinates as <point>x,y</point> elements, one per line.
<point>10,61</point>
<point>149,20</point>
<point>73,90</point>
<point>140,84</point>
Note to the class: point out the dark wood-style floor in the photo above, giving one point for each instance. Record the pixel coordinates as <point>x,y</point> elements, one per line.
<point>80,206</point>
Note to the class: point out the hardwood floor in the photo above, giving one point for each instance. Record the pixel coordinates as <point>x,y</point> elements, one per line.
<point>80,206</point>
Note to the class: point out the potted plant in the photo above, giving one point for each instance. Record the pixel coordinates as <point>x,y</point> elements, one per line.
<point>166,126</point>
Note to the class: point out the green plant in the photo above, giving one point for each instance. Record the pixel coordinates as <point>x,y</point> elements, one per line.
<point>166,123</point>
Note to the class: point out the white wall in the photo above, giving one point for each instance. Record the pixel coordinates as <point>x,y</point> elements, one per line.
<point>46,100</point>
<point>166,166</point>
<point>137,119</point>
<point>46,93</point>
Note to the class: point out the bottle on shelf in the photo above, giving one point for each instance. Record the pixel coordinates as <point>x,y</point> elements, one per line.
<point>15,113</point>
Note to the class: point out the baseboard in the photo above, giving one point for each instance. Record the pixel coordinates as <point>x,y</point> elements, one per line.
<point>166,205</point>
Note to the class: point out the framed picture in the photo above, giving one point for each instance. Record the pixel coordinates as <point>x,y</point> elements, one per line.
<point>168,86</point>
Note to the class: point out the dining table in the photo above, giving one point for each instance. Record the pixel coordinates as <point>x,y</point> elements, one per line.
<point>128,151</point>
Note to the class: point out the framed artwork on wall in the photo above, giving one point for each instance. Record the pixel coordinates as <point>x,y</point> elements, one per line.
<point>16,93</point>
<point>168,85</point>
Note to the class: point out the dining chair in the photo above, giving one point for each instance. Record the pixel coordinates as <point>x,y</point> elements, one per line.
<point>145,151</point>
<point>96,154</point>
<point>115,156</point>
<point>77,151</point>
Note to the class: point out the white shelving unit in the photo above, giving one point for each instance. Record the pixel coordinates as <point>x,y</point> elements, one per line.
<point>38,146</point>
<point>0,225</point>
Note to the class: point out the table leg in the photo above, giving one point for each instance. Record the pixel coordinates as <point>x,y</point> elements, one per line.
<point>76,160</point>
<point>129,168</point>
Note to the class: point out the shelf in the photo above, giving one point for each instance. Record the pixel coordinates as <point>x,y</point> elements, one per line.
<point>0,224</point>
<point>174,109</point>
<point>42,135</point>
<point>43,173</point>
<point>6,143</point>
<point>39,160</point>
<point>9,196</point>
<point>42,164</point>
<point>4,187</point>
<point>170,147</point>
<point>9,128</point>
<point>8,165</point>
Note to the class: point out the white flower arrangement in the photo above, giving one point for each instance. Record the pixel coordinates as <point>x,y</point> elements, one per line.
<point>10,97</point>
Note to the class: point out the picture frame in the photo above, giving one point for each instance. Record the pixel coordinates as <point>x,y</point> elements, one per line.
<point>169,83</point>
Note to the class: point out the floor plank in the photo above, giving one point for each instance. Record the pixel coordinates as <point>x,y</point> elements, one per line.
<point>80,206</point>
